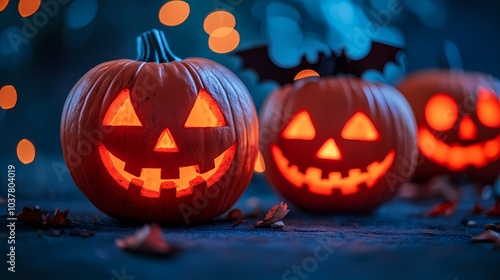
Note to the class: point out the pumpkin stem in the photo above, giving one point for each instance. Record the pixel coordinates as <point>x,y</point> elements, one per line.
<point>152,46</point>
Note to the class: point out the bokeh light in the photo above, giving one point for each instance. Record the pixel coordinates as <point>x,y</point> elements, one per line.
<point>81,12</point>
<point>306,74</point>
<point>217,20</point>
<point>8,97</point>
<point>174,13</point>
<point>260,165</point>
<point>25,151</point>
<point>3,4</point>
<point>223,40</point>
<point>28,7</point>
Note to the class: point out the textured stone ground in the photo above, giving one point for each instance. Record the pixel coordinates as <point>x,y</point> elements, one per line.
<point>394,243</point>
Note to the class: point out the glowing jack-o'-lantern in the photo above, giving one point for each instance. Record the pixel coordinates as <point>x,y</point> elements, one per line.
<point>160,139</point>
<point>337,144</point>
<point>458,117</point>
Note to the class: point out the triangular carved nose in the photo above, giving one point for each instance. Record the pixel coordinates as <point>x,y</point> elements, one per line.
<point>166,143</point>
<point>329,150</point>
<point>467,129</point>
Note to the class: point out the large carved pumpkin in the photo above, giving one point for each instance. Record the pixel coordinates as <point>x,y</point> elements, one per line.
<point>458,117</point>
<point>159,138</point>
<point>337,145</point>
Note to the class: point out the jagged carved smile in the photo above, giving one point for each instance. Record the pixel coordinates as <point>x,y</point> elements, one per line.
<point>347,185</point>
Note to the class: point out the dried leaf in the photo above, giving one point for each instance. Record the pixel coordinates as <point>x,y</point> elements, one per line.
<point>58,221</point>
<point>277,213</point>
<point>235,214</point>
<point>486,236</point>
<point>237,223</point>
<point>31,217</point>
<point>443,209</point>
<point>147,240</point>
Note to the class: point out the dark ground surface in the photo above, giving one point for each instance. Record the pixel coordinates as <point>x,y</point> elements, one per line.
<point>394,243</point>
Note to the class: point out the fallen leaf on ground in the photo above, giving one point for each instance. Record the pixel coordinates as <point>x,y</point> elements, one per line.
<point>235,214</point>
<point>31,216</point>
<point>443,209</point>
<point>148,240</point>
<point>58,221</point>
<point>486,236</point>
<point>237,223</point>
<point>277,213</point>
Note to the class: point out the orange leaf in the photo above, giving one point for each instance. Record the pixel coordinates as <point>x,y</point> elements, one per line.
<point>277,213</point>
<point>147,240</point>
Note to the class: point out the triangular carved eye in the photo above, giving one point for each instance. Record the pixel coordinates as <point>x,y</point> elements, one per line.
<point>300,127</point>
<point>488,108</point>
<point>359,127</point>
<point>121,112</point>
<point>205,113</point>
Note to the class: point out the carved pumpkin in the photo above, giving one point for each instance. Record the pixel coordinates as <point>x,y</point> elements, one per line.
<point>337,145</point>
<point>160,139</point>
<point>458,117</point>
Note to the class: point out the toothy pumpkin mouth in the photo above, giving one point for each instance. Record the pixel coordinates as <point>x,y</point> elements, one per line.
<point>347,185</point>
<point>150,182</point>
<point>455,156</point>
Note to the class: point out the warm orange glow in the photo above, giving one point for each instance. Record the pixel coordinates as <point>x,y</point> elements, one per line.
<point>359,127</point>
<point>306,74</point>
<point>121,112</point>
<point>8,97</point>
<point>457,157</point>
<point>166,143</point>
<point>441,112</point>
<point>3,4</point>
<point>28,7</point>
<point>488,108</point>
<point>260,165</point>
<point>300,127</point>
<point>25,151</point>
<point>314,180</point>
<point>224,40</point>
<point>329,150</point>
<point>206,112</point>
<point>174,13</point>
<point>151,182</point>
<point>217,20</point>
<point>467,129</point>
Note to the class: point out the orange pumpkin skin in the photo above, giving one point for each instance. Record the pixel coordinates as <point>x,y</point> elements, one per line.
<point>458,118</point>
<point>131,142</point>
<point>355,157</point>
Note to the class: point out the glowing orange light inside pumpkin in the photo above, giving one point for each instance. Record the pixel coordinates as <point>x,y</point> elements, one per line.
<point>260,165</point>
<point>217,20</point>
<point>488,108</point>
<point>25,151</point>
<point>121,112</point>
<point>3,4</point>
<point>329,150</point>
<point>206,112</point>
<point>224,40</point>
<point>313,177</point>
<point>300,127</point>
<point>359,127</point>
<point>174,13</point>
<point>441,112</point>
<point>467,129</point>
<point>28,7</point>
<point>166,142</point>
<point>455,156</point>
<point>306,74</point>
<point>8,97</point>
